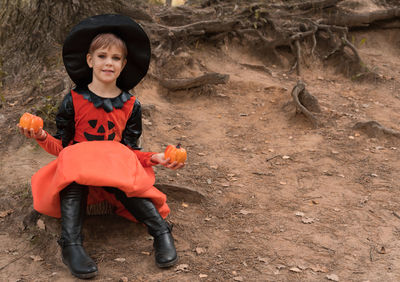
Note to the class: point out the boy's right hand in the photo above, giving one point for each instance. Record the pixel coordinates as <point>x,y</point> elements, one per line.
<point>30,133</point>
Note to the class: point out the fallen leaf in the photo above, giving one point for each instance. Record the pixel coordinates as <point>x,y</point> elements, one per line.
<point>265,260</point>
<point>238,278</point>
<point>5,213</point>
<point>182,267</point>
<point>285,157</point>
<point>36,258</point>
<point>203,275</point>
<point>40,224</point>
<point>301,214</point>
<point>307,220</point>
<point>332,277</point>
<point>244,212</point>
<point>319,268</point>
<point>282,183</point>
<point>123,279</point>
<point>185,205</point>
<point>201,154</point>
<point>145,253</point>
<point>200,251</point>
<point>295,269</point>
<point>382,250</point>
<point>120,259</point>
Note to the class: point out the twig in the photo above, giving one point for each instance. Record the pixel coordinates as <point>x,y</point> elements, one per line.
<point>18,258</point>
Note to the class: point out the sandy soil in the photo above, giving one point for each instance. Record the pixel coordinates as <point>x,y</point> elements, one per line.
<point>283,201</point>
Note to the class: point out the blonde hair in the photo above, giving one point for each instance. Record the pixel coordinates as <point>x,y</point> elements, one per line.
<point>105,40</point>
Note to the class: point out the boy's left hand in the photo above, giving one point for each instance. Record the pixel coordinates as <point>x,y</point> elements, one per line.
<point>160,159</point>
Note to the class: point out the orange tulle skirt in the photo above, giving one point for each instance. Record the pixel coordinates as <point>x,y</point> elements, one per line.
<point>96,164</point>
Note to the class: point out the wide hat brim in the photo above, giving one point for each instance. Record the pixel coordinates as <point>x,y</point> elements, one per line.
<point>78,41</point>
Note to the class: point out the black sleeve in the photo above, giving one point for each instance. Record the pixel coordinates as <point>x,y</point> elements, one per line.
<point>133,128</point>
<point>65,121</point>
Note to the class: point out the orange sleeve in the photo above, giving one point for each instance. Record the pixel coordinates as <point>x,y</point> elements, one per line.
<point>144,158</point>
<point>51,145</point>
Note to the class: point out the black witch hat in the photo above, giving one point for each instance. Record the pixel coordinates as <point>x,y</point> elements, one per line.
<point>78,41</point>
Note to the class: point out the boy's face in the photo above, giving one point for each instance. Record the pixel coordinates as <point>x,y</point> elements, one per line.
<point>107,64</point>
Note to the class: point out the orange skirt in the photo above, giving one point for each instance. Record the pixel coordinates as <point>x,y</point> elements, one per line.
<point>96,164</point>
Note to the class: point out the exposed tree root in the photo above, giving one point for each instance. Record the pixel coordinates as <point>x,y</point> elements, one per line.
<point>187,83</point>
<point>305,103</point>
<point>375,129</point>
<point>363,19</point>
<point>178,193</point>
<point>258,68</point>
<point>181,193</point>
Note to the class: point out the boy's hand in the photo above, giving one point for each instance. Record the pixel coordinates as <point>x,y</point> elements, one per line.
<point>160,159</point>
<point>40,135</point>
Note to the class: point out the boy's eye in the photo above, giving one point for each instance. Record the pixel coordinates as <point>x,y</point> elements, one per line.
<point>116,58</point>
<point>102,56</point>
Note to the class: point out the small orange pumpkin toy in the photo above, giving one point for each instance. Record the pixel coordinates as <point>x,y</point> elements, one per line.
<point>29,121</point>
<point>175,153</point>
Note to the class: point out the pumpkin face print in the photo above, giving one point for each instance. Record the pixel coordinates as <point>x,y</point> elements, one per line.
<point>99,133</point>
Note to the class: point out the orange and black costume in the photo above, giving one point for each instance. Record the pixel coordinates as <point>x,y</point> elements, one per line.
<point>111,159</point>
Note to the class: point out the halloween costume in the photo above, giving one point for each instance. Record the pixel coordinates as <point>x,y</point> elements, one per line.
<point>96,147</point>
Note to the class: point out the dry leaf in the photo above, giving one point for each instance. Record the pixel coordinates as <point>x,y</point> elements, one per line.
<point>36,258</point>
<point>238,278</point>
<point>265,260</point>
<point>182,267</point>
<point>295,269</point>
<point>120,259</point>
<point>301,214</point>
<point>332,277</point>
<point>203,275</point>
<point>123,279</point>
<point>145,253</point>
<point>200,251</point>
<point>307,220</point>
<point>185,205</point>
<point>382,250</point>
<point>319,268</point>
<point>40,224</point>
<point>5,213</point>
<point>244,212</point>
<point>285,157</point>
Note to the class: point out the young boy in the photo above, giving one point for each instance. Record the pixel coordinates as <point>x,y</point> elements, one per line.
<point>106,56</point>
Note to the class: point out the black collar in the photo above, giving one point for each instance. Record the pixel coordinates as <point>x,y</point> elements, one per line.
<point>108,104</point>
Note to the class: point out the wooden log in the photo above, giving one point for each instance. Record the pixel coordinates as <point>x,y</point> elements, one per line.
<point>187,83</point>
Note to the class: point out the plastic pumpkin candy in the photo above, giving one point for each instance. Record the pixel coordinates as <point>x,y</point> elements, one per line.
<point>29,121</point>
<point>175,153</point>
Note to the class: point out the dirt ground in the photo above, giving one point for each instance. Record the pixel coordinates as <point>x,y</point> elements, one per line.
<point>283,201</point>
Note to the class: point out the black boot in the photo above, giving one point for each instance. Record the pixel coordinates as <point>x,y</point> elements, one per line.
<point>73,207</point>
<point>145,212</point>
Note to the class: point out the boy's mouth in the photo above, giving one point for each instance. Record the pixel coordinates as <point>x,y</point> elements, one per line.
<point>109,71</point>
